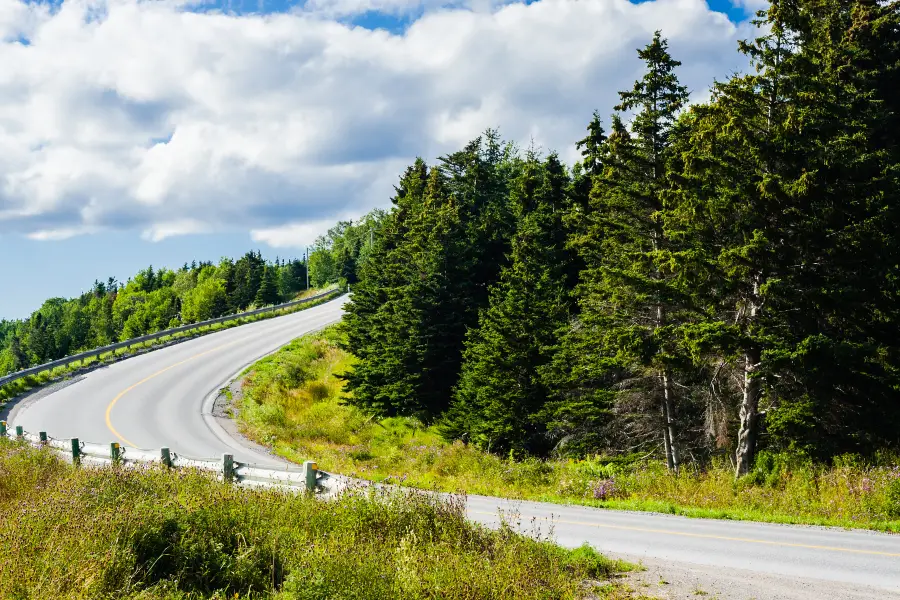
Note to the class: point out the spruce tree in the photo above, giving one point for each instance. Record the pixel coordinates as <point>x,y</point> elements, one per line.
<point>627,304</point>
<point>785,197</point>
<point>501,394</point>
<point>427,277</point>
<point>268,292</point>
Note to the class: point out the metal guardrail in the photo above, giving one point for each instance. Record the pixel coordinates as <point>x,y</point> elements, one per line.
<point>68,360</point>
<point>307,479</point>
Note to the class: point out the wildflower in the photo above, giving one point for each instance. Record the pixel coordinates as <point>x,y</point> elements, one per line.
<point>865,486</point>
<point>605,489</point>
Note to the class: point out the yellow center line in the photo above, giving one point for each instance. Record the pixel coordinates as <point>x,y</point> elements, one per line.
<point>109,408</point>
<point>707,536</point>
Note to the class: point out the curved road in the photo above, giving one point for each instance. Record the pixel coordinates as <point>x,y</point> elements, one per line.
<point>164,398</point>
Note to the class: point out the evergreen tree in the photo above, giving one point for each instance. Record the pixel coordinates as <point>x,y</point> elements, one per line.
<point>268,292</point>
<point>629,309</point>
<point>501,394</point>
<point>426,279</point>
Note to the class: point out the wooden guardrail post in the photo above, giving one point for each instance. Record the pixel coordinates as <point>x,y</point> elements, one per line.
<point>311,472</point>
<point>228,467</point>
<point>165,457</point>
<point>76,452</point>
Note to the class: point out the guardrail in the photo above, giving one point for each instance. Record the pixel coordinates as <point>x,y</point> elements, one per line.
<point>306,479</point>
<point>96,352</point>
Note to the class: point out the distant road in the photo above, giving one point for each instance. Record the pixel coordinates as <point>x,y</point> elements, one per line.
<point>164,398</point>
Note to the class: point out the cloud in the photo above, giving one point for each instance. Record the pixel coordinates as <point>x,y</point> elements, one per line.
<point>145,116</point>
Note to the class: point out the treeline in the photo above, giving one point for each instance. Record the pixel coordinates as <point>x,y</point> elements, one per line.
<point>715,278</point>
<point>337,254</point>
<point>150,301</point>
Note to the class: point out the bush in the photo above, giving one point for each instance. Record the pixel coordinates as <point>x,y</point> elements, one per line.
<point>892,496</point>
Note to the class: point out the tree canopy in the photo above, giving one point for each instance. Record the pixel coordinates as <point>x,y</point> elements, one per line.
<point>715,278</point>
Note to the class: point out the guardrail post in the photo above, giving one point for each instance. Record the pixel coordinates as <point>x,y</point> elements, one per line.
<point>114,451</point>
<point>42,436</point>
<point>2,428</point>
<point>20,433</point>
<point>165,457</point>
<point>311,471</point>
<point>228,467</point>
<point>76,451</point>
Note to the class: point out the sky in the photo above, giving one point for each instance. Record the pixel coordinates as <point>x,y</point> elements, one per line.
<point>139,132</point>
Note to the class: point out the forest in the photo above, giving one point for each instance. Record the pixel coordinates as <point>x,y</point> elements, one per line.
<point>156,299</point>
<point>714,279</point>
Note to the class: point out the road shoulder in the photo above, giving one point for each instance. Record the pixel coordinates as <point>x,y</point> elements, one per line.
<point>672,580</point>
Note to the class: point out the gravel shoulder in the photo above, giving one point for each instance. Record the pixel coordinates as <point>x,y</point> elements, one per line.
<point>668,580</point>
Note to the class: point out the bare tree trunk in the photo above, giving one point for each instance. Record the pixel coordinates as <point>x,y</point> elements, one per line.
<point>672,457</point>
<point>749,411</point>
<point>668,405</point>
<point>667,442</point>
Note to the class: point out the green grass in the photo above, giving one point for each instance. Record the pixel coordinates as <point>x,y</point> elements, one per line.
<point>292,402</point>
<point>20,386</point>
<point>115,533</point>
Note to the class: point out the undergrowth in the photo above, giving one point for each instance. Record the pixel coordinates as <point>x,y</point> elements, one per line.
<point>107,533</point>
<point>291,401</point>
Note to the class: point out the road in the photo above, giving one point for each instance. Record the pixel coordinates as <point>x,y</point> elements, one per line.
<point>164,398</point>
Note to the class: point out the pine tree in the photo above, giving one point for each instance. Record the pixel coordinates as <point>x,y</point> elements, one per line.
<point>626,301</point>
<point>268,293</point>
<point>501,394</point>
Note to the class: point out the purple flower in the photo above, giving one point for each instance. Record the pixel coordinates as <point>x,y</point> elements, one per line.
<point>605,489</point>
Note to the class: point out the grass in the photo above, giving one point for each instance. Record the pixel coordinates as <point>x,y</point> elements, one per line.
<point>149,533</point>
<point>20,386</point>
<point>291,401</point>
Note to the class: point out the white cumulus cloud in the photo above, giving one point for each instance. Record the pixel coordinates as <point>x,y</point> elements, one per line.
<point>146,116</point>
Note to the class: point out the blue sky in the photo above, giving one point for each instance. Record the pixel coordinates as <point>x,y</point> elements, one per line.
<point>146,135</point>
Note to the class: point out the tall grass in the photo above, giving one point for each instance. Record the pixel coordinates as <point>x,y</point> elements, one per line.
<point>292,402</point>
<point>123,533</point>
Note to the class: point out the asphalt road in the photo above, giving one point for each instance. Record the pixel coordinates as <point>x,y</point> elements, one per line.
<point>164,398</point>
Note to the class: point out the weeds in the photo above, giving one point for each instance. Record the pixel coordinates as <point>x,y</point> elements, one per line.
<point>150,533</point>
<point>292,401</point>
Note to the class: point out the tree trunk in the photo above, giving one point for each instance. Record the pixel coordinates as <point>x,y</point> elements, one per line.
<point>749,411</point>
<point>667,443</point>
<point>749,415</point>
<point>668,405</point>
<point>669,415</point>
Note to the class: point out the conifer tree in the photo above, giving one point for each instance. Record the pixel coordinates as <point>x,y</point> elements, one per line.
<point>625,300</point>
<point>427,278</point>
<point>777,192</point>
<point>501,394</point>
<point>268,292</point>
